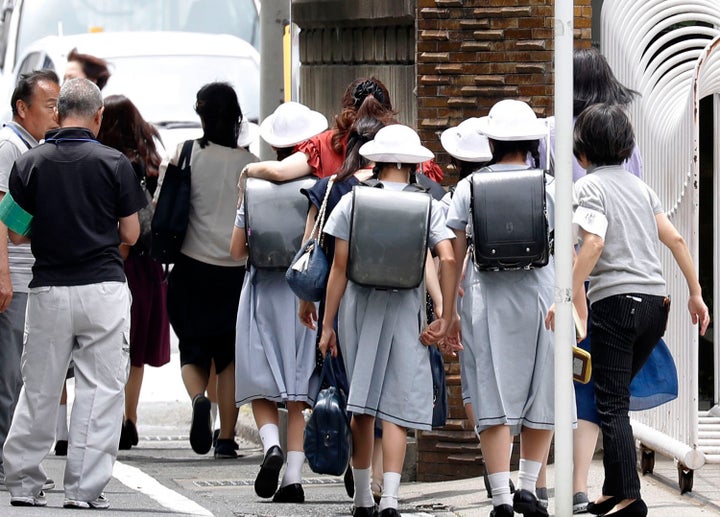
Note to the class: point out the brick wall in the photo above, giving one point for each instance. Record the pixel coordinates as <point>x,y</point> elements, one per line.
<point>473,53</point>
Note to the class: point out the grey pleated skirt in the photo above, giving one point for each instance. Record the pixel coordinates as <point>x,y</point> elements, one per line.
<point>387,366</point>
<point>274,353</point>
<point>507,361</point>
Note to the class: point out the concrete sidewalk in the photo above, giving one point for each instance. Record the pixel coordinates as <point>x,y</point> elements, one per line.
<point>467,497</point>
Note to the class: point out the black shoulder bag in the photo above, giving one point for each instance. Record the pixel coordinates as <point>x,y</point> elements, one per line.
<point>172,211</point>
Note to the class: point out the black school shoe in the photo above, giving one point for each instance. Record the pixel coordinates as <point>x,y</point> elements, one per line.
<point>502,510</point>
<point>293,493</point>
<point>266,482</point>
<point>526,503</point>
<point>362,511</point>
<point>637,508</point>
<point>61,447</point>
<point>200,430</point>
<point>604,507</point>
<point>349,482</point>
<point>226,448</point>
<point>389,512</point>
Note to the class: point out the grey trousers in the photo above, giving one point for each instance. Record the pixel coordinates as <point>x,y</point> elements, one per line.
<point>12,322</point>
<point>91,325</point>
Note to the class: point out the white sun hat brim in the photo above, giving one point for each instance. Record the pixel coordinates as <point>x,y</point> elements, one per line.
<point>465,142</point>
<point>533,130</point>
<point>512,120</point>
<point>290,124</point>
<point>396,144</point>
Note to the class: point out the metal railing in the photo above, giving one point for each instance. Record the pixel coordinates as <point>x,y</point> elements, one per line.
<point>669,51</point>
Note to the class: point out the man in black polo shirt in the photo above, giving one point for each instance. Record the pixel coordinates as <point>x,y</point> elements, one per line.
<point>83,198</point>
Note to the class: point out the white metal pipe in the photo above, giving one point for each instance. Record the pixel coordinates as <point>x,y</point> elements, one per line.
<point>661,442</point>
<point>564,334</point>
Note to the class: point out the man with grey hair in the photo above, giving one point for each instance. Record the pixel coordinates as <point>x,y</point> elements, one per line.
<point>79,201</point>
<point>33,104</point>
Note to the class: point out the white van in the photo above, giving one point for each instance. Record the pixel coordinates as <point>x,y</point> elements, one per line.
<point>160,52</point>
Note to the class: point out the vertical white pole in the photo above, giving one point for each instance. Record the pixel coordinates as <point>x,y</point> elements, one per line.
<point>564,335</point>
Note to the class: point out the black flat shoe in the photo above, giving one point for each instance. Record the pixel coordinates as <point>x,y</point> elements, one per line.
<point>637,508</point>
<point>61,447</point>
<point>132,432</point>
<point>362,511</point>
<point>526,503</point>
<point>503,510</point>
<point>293,493</point>
<point>604,507</point>
<point>349,482</point>
<point>266,482</point>
<point>200,431</point>
<point>389,512</point>
<point>125,443</point>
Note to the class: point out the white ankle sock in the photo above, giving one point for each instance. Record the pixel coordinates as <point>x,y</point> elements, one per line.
<point>61,428</point>
<point>527,477</point>
<point>269,436</point>
<point>391,485</point>
<point>500,488</point>
<point>293,469</point>
<point>363,494</point>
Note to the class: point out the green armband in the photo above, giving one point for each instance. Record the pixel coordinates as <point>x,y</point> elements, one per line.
<point>14,217</point>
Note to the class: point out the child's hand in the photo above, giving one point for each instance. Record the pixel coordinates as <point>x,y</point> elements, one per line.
<point>434,333</point>
<point>307,314</point>
<point>699,312</point>
<point>328,341</point>
<point>453,339</point>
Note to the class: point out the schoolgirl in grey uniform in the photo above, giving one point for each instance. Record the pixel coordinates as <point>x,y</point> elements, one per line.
<point>508,353</point>
<point>381,331</point>
<point>275,353</point>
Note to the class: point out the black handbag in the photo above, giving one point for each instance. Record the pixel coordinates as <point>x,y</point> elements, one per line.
<point>440,394</point>
<point>172,211</point>
<point>328,441</point>
<point>308,274</point>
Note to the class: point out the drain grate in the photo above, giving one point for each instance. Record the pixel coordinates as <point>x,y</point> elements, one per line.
<point>214,483</point>
<point>176,438</point>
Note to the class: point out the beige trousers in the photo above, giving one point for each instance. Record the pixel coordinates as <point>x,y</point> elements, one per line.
<point>89,324</point>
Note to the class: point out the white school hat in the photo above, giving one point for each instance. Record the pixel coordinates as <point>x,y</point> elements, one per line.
<point>290,124</point>
<point>512,120</point>
<point>396,144</point>
<point>465,142</point>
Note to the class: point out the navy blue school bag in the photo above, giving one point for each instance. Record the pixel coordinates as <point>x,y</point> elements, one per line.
<point>328,440</point>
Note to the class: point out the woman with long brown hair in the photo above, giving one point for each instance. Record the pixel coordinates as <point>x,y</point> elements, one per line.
<point>124,129</point>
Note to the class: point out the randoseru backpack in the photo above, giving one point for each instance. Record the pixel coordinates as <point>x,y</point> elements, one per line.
<point>509,216</point>
<point>388,236</point>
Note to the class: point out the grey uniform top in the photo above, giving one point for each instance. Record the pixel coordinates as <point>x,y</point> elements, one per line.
<point>12,145</point>
<point>619,207</point>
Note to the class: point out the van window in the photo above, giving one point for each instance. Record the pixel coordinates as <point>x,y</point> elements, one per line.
<point>63,17</point>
